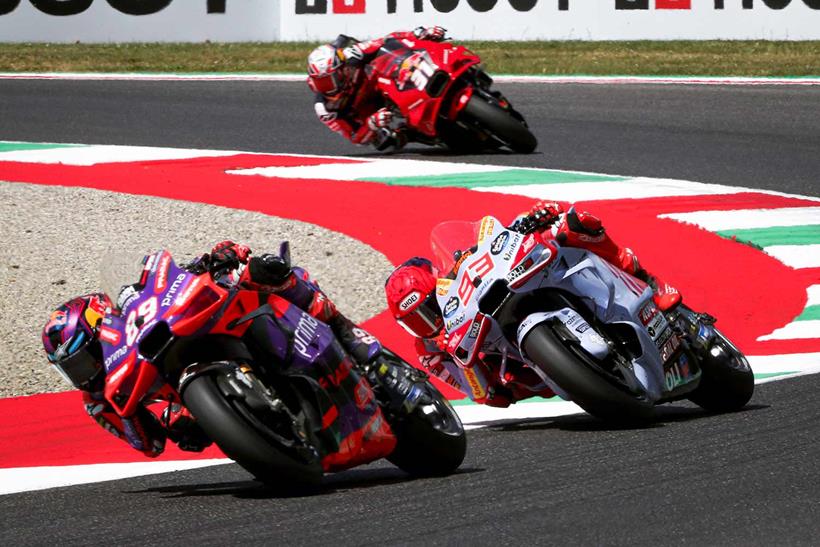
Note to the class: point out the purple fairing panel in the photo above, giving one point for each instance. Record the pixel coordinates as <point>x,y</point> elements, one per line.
<point>317,354</point>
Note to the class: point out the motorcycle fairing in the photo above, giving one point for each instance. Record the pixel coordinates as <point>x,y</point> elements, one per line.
<point>353,429</point>
<point>613,296</point>
<point>407,68</point>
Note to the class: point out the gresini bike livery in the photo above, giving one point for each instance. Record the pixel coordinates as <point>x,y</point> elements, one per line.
<point>268,383</point>
<point>439,90</point>
<point>590,330</point>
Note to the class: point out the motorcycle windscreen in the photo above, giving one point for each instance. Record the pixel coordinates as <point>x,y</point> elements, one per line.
<point>449,237</point>
<point>120,268</point>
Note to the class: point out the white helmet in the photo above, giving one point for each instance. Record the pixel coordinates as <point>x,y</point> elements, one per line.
<point>328,74</point>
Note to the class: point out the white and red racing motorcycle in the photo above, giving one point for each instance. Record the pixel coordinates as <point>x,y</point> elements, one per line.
<point>591,331</point>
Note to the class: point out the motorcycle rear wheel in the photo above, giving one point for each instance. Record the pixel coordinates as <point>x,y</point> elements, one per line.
<point>501,124</point>
<point>583,381</point>
<point>241,441</point>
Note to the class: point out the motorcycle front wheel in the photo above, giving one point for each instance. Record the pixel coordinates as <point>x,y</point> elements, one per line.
<point>727,381</point>
<point>228,419</point>
<point>586,383</point>
<point>430,441</point>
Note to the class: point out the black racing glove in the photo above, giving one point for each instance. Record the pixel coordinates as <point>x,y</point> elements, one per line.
<point>269,269</point>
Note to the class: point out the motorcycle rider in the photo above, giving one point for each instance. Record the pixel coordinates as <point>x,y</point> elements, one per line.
<point>411,298</point>
<point>71,341</point>
<point>346,101</point>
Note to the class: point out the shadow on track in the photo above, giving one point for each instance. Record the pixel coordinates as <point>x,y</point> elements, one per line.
<point>584,422</point>
<point>354,479</point>
<point>437,152</point>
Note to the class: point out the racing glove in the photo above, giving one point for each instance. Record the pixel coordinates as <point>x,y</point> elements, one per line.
<point>434,33</point>
<point>267,270</point>
<point>380,119</point>
<point>542,215</point>
<point>227,255</point>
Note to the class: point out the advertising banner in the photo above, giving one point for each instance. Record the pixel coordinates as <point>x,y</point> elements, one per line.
<point>311,20</point>
<point>559,19</point>
<point>139,20</point>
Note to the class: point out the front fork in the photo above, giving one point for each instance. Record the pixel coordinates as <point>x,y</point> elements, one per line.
<point>399,389</point>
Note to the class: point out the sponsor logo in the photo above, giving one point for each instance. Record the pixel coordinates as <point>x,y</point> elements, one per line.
<point>305,331</point>
<point>167,299</point>
<point>443,286</point>
<point>455,340</point>
<point>509,254</point>
<point>487,225</point>
<point>110,336</point>
<point>647,313</point>
<point>669,347</point>
<point>409,301</point>
<point>162,273</point>
<point>118,354</point>
<point>181,299</point>
<point>500,242</point>
<point>456,321</point>
<point>128,7</point>
<point>484,6</point>
<point>582,328</point>
<point>519,270</point>
<point>336,377</point>
<point>475,385</point>
<point>451,306</point>
<point>475,328</point>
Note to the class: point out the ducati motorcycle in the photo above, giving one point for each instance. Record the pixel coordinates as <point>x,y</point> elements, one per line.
<point>268,383</point>
<point>591,331</point>
<point>441,95</point>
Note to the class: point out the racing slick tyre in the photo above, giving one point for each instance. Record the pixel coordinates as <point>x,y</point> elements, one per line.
<point>587,384</point>
<point>727,381</point>
<point>430,441</point>
<point>229,422</point>
<point>501,124</point>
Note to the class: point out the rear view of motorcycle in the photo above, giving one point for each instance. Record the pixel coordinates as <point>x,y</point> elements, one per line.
<point>269,383</point>
<point>590,330</point>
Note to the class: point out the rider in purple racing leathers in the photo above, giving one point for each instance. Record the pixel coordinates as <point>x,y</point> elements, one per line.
<point>71,342</point>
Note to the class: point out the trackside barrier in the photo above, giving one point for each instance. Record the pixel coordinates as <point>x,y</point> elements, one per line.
<point>290,20</point>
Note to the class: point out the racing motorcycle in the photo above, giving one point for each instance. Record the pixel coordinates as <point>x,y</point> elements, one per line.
<point>590,331</point>
<point>267,382</point>
<point>439,91</point>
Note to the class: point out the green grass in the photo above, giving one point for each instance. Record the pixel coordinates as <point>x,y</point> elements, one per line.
<point>719,58</point>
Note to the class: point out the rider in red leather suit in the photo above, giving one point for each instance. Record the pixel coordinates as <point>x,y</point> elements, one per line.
<point>410,292</point>
<point>345,100</point>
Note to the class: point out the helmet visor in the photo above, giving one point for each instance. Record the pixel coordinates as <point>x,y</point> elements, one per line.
<point>424,321</point>
<point>326,84</point>
<point>81,367</point>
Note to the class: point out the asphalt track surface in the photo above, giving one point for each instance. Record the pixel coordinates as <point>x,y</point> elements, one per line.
<point>748,478</point>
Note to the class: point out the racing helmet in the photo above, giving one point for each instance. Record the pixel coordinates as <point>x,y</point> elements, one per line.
<point>70,338</point>
<point>411,297</point>
<point>328,74</point>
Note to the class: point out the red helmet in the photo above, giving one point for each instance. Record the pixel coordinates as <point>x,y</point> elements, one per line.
<point>328,74</point>
<point>411,297</point>
<point>71,341</point>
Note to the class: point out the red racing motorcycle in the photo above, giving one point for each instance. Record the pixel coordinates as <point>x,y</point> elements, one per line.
<point>268,383</point>
<point>440,93</point>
